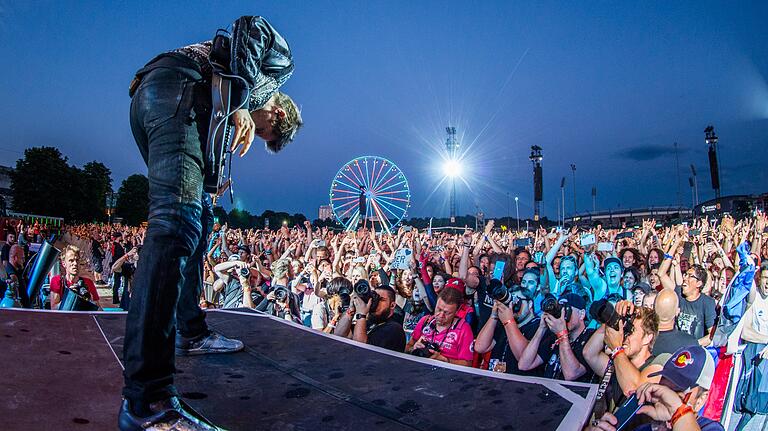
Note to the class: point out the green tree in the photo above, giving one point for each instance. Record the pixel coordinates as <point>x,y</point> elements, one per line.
<point>97,180</point>
<point>41,183</point>
<point>221,214</point>
<point>133,200</point>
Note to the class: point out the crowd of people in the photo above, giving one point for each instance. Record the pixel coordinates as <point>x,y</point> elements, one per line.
<point>643,311</point>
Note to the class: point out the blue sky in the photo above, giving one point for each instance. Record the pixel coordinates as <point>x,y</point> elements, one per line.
<point>609,86</point>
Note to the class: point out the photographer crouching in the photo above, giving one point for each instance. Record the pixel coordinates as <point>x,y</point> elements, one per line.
<point>71,279</point>
<point>373,311</point>
<point>280,301</point>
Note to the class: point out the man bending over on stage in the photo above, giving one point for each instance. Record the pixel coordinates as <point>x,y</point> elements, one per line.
<point>170,112</point>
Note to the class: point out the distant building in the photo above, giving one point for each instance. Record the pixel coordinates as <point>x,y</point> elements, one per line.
<point>5,185</point>
<point>325,212</point>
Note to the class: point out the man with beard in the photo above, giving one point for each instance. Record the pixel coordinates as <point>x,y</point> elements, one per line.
<point>508,341</point>
<point>376,326</point>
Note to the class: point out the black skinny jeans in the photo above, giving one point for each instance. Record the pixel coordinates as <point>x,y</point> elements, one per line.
<point>168,279</point>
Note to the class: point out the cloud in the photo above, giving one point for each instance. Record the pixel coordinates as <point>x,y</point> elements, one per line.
<point>644,153</point>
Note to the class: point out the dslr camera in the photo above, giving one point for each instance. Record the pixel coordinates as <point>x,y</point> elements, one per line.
<point>554,308</point>
<point>501,293</point>
<point>281,293</point>
<point>604,312</point>
<point>424,352</point>
<point>363,290</point>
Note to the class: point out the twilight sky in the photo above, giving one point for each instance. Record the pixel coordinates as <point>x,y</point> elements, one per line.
<point>609,86</point>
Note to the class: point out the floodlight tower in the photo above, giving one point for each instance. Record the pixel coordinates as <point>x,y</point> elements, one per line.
<point>714,169</point>
<point>452,146</point>
<point>538,190</point>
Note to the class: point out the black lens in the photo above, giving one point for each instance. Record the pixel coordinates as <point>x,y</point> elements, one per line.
<point>281,293</point>
<point>245,272</point>
<point>550,306</point>
<point>604,312</point>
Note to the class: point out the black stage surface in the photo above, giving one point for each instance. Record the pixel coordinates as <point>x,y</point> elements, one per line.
<point>62,371</point>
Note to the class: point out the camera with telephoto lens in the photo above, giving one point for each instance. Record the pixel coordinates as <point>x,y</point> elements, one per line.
<point>346,298</point>
<point>501,293</point>
<point>604,312</point>
<point>554,308</point>
<point>424,352</point>
<point>364,291</point>
<point>281,293</point>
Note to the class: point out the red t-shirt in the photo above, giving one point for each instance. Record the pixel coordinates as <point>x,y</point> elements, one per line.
<point>454,342</point>
<point>56,286</point>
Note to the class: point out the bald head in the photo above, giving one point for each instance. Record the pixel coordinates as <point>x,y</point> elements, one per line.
<point>666,307</point>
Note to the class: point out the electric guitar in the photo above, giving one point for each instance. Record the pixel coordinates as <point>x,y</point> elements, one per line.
<point>220,134</point>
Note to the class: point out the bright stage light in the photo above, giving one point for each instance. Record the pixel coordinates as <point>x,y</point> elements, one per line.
<point>452,168</point>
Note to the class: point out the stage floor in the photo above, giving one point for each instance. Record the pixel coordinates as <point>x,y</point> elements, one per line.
<point>63,371</point>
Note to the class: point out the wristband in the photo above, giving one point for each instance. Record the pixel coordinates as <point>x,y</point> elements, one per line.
<point>359,316</point>
<point>680,412</point>
<point>668,256</point>
<point>617,351</point>
<point>504,323</point>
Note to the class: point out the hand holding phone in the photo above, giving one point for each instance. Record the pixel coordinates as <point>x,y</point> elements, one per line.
<point>587,239</point>
<point>627,410</point>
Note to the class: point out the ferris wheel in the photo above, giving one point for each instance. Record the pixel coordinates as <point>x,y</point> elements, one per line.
<point>370,191</point>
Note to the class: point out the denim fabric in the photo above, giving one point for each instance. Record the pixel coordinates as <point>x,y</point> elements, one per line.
<point>165,127</point>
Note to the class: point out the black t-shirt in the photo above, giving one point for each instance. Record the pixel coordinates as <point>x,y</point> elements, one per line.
<point>695,316</point>
<point>551,356</point>
<point>389,335</point>
<point>5,251</point>
<point>670,341</point>
<point>96,250</point>
<point>502,352</point>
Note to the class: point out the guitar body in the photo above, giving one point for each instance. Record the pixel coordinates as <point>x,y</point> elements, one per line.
<point>220,134</point>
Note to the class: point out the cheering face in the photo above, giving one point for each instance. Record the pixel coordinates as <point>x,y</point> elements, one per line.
<point>653,257</point>
<point>628,259</point>
<point>613,274</point>
<point>430,271</point>
<point>520,260</point>
<point>691,283</point>
<point>764,282</point>
<point>438,283</point>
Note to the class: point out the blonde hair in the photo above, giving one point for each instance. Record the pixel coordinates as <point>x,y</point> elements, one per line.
<point>71,248</point>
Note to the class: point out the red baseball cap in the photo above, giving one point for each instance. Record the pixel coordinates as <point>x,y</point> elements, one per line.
<point>456,283</point>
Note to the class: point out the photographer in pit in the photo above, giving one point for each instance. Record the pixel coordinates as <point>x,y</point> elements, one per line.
<point>373,318</point>
<point>506,342</point>
<point>559,340</point>
<point>673,403</point>
<point>71,279</point>
<point>443,336</point>
<point>233,280</point>
<point>326,315</point>
<point>619,351</point>
<point>280,301</point>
